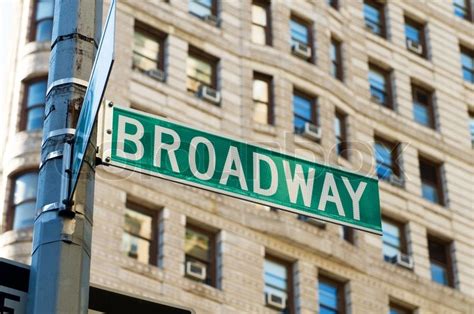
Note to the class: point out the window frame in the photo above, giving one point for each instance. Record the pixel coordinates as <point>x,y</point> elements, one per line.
<point>197,53</point>
<point>470,53</point>
<point>398,307</point>
<point>10,212</point>
<point>271,108</point>
<point>24,103</point>
<point>394,154</point>
<point>430,106</point>
<point>290,304</point>
<point>158,36</point>
<point>340,285</point>
<point>449,258</point>
<point>471,126</point>
<point>313,107</point>
<point>401,226</point>
<point>387,75</point>
<point>469,13</point>
<point>309,26</point>
<point>154,239</point>
<point>333,4</point>
<point>34,23</point>
<point>439,180</point>
<point>266,4</point>
<point>380,7</point>
<point>421,27</point>
<point>348,234</point>
<point>212,252</point>
<point>342,117</point>
<point>339,75</point>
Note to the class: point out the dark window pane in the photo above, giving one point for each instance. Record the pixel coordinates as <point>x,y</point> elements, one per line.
<point>385,159</point>
<point>471,127</point>
<point>421,114</point>
<point>24,215</point>
<point>440,262</point>
<point>328,297</point>
<point>467,62</point>
<point>439,274</point>
<point>44,30</point>
<point>378,85</point>
<point>34,120</point>
<point>302,112</point>
<point>36,93</point>
<point>373,18</point>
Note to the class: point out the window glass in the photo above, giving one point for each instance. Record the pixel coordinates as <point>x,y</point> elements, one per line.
<point>439,262</point>
<point>260,24</point>
<point>146,51</point>
<point>471,127</point>
<point>461,8</point>
<point>340,132</point>
<point>413,33</point>
<point>299,33</point>
<point>261,99</point>
<point>44,20</point>
<point>36,95</point>
<point>303,112</point>
<point>328,297</point>
<point>335,55</point>
<point>391,240</point>
<point>421,113</point>
<point>137,238</point>
<point>396,309</point>
<point>276,280</point>
<point>200,8</point>
<point>378,85</point>
<point>24,200</point>
<point>373,17</point>
<point>347,234</point>
<point>430,182</point>
<point>422,107</point>
<point>385,160</point>
<point>467,62</point>
<point>198,247</point>
<point>199,72</point>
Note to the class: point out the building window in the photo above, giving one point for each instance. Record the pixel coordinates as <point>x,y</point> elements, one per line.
<point>304,111</point>
<point>201,70</point>
<point>33,108</point>
<point>386,157</point>
<point>471,127</point>
<point>262,98</point>
<point>203,8</point>
<point>22,201</point>
<point>395,308</point>
<point>393,239</point>
<point>423,111</point>
<point>42,27</point>
<point>462,8</point>
<point>374,17</point>
<point>333,4</point>
<point>415,37</point>
<point>336,59</point>
<point>139,239</point>
<point>340,130</point>
<point>261,33</point>
<point>380,86</point>
<point>278,284</point>
<point>348,234</point>
<point>301,39</point>
<point>148,49</point>
<point>331,296</point>
<point>440,261</point>
<point>467,63</point>
<point>431,187</point>
<point>200,255</point>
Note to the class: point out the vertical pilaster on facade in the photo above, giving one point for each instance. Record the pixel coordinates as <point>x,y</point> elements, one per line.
<point>358,302</point>
<point>176,62</point>
<point>411,167</point>
<point>418,246</point>
<point>171,242</point>
<point>305,281</point>
<point>280,26</point>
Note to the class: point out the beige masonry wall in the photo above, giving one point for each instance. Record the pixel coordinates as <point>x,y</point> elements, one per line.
<point>246,232</point>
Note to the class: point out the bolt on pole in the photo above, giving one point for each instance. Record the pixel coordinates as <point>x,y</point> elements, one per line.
<point>60,266</point>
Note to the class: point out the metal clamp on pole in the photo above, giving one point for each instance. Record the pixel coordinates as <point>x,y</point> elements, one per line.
<point>65,209</point>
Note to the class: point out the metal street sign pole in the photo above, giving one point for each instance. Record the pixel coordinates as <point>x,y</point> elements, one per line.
<point>144,143</point>
<point>59,278</point>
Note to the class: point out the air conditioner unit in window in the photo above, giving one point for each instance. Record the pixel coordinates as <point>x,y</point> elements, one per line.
<point>301,50</point>
<point>211,19</point>
<point>274,300</point>
<point>196,270</point>
<point>396,180</point>
<point>209,94</point>
<point>312,131</point>
<point>157,74</point>
<point>404,260</point>
<point>414,46</point>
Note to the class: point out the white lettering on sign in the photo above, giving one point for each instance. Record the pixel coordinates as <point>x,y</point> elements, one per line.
<point>297,183</point>
<point>127,137</point>
<point>263,166</point>
<point>211,167</point>
<point>257,188</point>
<point>232,159</point>
<point>170,148</point>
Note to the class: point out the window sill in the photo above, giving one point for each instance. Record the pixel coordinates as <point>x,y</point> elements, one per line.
<point>137,267</point>
<point>11,237</point>
<point>35,47</point>
<point>201,289</point>
<point>264,128</point>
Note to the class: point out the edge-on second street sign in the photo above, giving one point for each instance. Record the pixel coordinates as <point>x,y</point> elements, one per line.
<point>148,144</point>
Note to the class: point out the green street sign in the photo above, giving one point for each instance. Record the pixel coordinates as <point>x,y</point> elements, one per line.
<point>152,145</point>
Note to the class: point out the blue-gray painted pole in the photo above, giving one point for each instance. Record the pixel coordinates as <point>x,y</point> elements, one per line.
<point>61,253</point>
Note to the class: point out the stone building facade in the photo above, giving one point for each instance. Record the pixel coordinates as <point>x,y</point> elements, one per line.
<point>360,71</point>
